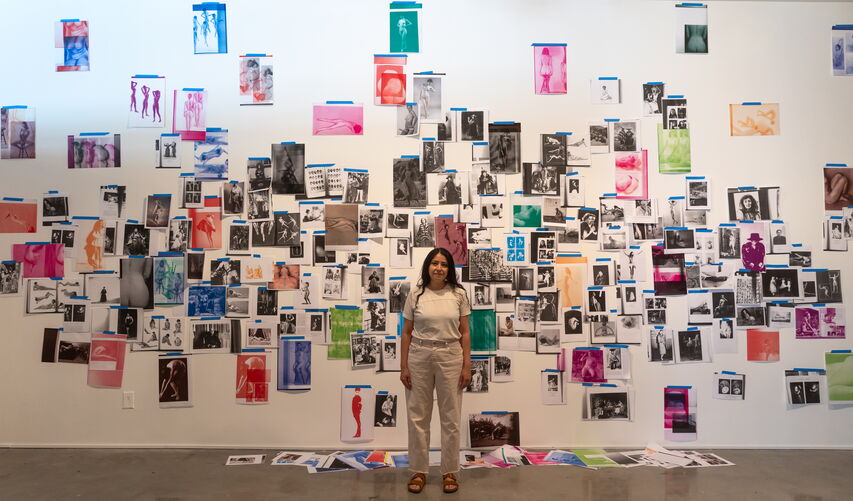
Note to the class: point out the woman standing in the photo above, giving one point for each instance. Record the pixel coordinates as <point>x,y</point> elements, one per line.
<point>436,358</point>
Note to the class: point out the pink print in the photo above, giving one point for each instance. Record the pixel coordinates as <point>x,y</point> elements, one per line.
<point>338,120</point>
<point>189,105</point>
<point>40,260</point>
<point>549,69</point>
<point>632,175</point>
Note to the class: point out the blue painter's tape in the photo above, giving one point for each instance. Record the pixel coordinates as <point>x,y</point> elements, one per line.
<point>288,338</point>
<point>751,103</point>
<point>210,318</point>
<point>69,20</point>
<point>596,288</point>
<point>815,269</point>
<point>679,387</point>
<point>648,291</point>
<point>675,96</point>
<point>730,373</point>
<point>675,228</point>
<point>495,412</point>
<point>192,89</point>
<point>172,354</point>
<point>358,386</point>
<point>421,212</point>
<point>611,119</point>
<point>700,291</point>
<point>605,195</point>
<point>93,133</point>
<point>695,177</point>
<point>548,45</point>
<point>146,76</point>
<point>654,83</point>
<point>776,266</point>
<point>410,156</point>
<point>287,143</point>
<point>608,385</point>
<point>843,27</point>
<point>703,230</point>
<point>346,307</point>
<point>608,78</point>
<point>587,384</point>
<point>479,143</point>
<point>458,109</point>
<point>570,218</point>
<point>563,133</point>
<point>808,370</point>
<point>732,225</point>
<point>15,199</point>
<point>254,54</point>
<point>505,123</point>
<point>339,102</point>
<point>616,346</point>
<point>819,305</point>
<point>677,198</point>
<point>601,259</point>
<point>658,327</point>
<point>690,5</point>
<point>840,351</point>
<point>252,350</point>
<point>626,282</point>
<point>587,348</point>
<point>836,165</point>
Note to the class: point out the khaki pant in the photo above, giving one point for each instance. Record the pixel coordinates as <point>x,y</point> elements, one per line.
<point>434,369</point>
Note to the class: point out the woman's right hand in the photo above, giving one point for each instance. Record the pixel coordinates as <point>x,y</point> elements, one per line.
<point>406,378</point>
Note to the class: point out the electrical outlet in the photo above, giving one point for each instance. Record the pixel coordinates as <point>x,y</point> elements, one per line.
<point>128,400</point>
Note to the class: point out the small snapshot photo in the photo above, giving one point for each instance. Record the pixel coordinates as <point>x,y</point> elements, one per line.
<point>245,460</point>
<point>754,119</point>
<point>605,90</point>
<point>691,28</point>
<point>493,429</point>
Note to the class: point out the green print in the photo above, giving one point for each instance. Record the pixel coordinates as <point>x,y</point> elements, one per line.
<point>673,150</point>
<point>404,32</point>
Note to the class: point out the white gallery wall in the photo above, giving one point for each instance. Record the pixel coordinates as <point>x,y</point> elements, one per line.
<point>759,51</point>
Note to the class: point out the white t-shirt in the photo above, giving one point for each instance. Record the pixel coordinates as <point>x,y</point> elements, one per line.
<point>436,317</point>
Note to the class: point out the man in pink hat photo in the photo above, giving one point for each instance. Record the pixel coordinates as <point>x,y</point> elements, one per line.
<point>752,253</point>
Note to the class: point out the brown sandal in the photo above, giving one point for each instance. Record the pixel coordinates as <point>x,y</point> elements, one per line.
<point>416,483</point>
<point>451,485</point>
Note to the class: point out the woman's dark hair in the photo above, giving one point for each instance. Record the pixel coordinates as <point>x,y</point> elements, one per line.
<point>452,279</point>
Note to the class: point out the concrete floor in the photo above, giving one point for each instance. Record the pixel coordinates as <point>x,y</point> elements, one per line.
<point>166,475</point>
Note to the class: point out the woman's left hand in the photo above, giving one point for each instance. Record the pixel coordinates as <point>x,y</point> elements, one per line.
<point>465,377</point>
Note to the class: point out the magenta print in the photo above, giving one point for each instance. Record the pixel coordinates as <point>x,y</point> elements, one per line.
<point>338,120</point>
<point>632,175</point>
<point>452,237</point>
<point>40,260</point>
<point>587,366</point>
<point>189,114</point>
<point>94,150</point>
<point>752,253</point>
<point>549,68</point>
<point>145,94</point>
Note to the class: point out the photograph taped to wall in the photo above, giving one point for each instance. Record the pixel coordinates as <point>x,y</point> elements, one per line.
<point>17,132</point>
<point>605,90</point>
<point>256,79</point>
<point>549,68</point>
<point>754,119</point>
<point>428,91</point>
<point>146,94</point>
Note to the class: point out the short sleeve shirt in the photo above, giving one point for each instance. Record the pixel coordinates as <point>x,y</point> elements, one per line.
<point>436,316</point>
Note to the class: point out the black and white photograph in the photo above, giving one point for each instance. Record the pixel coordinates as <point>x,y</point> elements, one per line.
<point>697,193</point>
<point>288,163</point>
<point>75,318</point>
<point>611,405</point>
<point>179,234</point>
<point>173,381</point>
<point>613,239</point>
<point>612,210</point>
<point>54,209</point>
<point>679,240</point>
<point>778,284</point>
<point>723,303</point>
<point>479,375</point>
<point>211,336</point>
<point>652,96</point>
<point>390,354</point>
<point>321,254</point>
<point>553,213</point>
<point>551,387</point>
<point>543,246</point>
<point>596,300</point>
<point>492,213</point>
<point>10,278</point>
<point>263,233</point>
<point>372,282</point>
<point>699,307</point>
<point>428,92</point>
<point>493,429</point>
<point>800,258</point>
<point>191,196</point>
<point>375,315</point>
<point>266,303</point>
<point>748,287</point>
<point>504,147</point>
<point>554,150</point>
<point>195,265</point>
<point>524,280</point>
<point>750,316</point>
<point>588,224</point>
<point>674,113</point>
<point>753,204</point>
<point>660,345</point>
<point>573,190</point>
<point>432,156</point>
<point>447,188</point>
<point>239,235</point>
<point>548,340</point>
<point>605,90</point>
<point>137,283</point>
<point>601,273</point>
<point>485,182</point>
<point>287,228</point>
<point>237,302</point>
<point>729,242</point>
<point>137,239</point>
<point>385,415</point>
<point>828,286</point>
<point>572,321</point>
<point>233,198</point>
<point>356,183</point>
<point>479,237</point>
<point>102,288</point>
<point>225,271</point>
<point>113,201</point>
<point>481,295</point>
<point>259,204</point>
<point>599,137</point>
<point>548,306</point>
<point>410,186</point>
<point>545,278</point>
<point>365,350</point>
<point>626,136</point>
<point>487,265</point>
<point>578,150</point>
<point>371,222</point>
<point>259,173</point>
<point>168,151</point>
<point>398,223</point>
<point>334,282</point>
<point>408,123</point>
<point>472,126</point>
<point>398,292</point>
<point>538,179</point>
<point>629,329</point>
<point>602,329</point>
